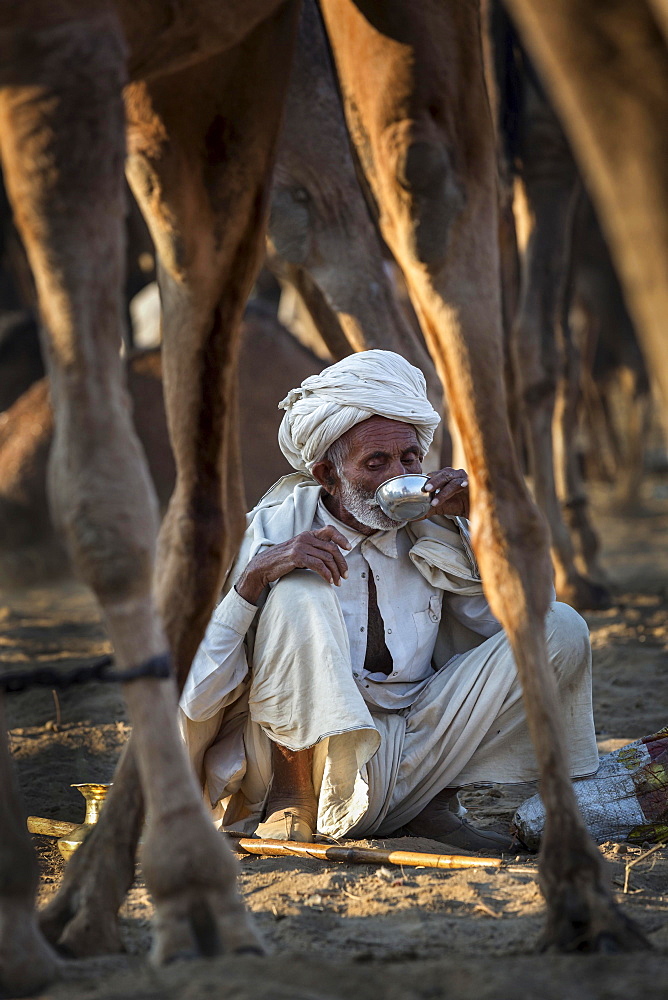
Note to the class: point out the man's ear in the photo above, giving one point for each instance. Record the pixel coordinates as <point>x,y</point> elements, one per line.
<point>325,474</point>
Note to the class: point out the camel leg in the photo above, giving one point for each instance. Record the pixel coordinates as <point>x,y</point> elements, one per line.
<point>632,408</point>
<point>81,919</point>
<point>549,197</point>
<point>62,140</point>
<point>415,96</point>
<point>208,259</point>
<point>26,961</point>
<point>601,99</point>
<point>207,220</point>
<point>569,482</point>
<point>320,226</point>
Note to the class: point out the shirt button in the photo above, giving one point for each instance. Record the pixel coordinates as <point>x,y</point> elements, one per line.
<point>355,675</point>
<point>364,576</point>
<point>362,629</point>
<point>377,577</point>
<point>389,631</point>
<point>394,673</point>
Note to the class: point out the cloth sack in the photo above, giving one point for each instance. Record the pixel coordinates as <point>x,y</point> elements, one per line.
<point>627,798</point>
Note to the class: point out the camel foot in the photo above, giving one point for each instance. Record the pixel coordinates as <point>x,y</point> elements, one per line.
<point>201,924</point>
<point>79,928</point>
<point>591,922</point>
<point>82,919</point>
<point>581,913</point>
<point>584,595</point>
<point>191,875</point>
<point>27,963</point>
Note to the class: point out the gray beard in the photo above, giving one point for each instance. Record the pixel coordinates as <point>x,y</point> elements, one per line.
<point>363,506</point>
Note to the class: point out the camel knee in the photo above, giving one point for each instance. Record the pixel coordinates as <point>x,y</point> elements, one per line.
<point>538,373</point>
<point>425,174</point>
<point>290,224</point>
<point>106,511</point>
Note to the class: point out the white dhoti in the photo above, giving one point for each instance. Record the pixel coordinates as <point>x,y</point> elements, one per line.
<point>375,770</point>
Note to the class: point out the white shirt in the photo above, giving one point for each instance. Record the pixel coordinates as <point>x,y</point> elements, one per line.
<point>409,605</point>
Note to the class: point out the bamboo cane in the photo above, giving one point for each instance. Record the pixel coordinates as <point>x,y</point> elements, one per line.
<point>319,852</point>
<point>50,827</point>
<point>360,855</point>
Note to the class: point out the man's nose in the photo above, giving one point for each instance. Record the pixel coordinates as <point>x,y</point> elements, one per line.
<point>396,469</point>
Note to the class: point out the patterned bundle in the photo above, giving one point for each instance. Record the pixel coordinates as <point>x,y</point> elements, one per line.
<point>627,798</point>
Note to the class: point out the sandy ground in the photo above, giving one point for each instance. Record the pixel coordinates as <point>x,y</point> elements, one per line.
<point>349,932</point>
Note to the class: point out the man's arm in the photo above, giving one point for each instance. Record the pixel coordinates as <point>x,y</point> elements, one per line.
<point>220,663</point>
<point>315,550</point>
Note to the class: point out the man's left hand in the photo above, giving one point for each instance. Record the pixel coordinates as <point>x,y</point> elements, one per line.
<point>450,492</point>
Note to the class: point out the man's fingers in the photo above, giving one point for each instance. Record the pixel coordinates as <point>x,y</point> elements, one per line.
<point>330,533</point>
<point>447,492</point>
<point>321,565</point>
<point>446,482</point>
<point>334,551</point>
<point>443,498</point>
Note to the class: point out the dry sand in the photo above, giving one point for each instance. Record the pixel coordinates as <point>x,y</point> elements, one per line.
<point>348,932</point>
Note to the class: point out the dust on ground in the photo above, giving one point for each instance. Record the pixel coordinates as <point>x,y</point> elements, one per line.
<point>338,931</point>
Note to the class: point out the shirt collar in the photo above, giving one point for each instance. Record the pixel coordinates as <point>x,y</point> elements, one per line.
<point>384,541</point>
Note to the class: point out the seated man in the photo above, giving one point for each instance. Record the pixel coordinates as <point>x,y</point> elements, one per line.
<point>353,678</point>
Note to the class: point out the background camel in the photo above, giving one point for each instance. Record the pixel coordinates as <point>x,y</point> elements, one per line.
<point>419,114</point>
<point>615,384</point>
<point>319,223</point>
<point>546,191</point>
<point>271,361</point>
<point>614,112</point>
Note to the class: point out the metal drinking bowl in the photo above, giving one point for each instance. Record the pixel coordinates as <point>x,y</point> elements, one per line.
<point>401,498</point>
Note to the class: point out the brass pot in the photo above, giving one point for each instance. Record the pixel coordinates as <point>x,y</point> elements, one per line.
<point>94,794</point>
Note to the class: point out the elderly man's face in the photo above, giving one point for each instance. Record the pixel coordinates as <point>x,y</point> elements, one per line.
<point>373,451</point>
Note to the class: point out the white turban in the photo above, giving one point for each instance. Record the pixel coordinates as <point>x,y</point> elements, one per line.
<point>371,383</point>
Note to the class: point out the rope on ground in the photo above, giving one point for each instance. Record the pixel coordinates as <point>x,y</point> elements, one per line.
<point>101,671</point>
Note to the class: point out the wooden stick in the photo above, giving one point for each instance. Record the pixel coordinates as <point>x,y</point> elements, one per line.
<point>319,852</point>
<point>360,855</point>
<point>50,827</point>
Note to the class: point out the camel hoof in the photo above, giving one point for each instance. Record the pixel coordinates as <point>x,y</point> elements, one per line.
<point>87,932</point>
<point>585,595</point>
<point>78,926</point>
<point>27,963</point>
<point>600,928</point>
<point>202,925</point>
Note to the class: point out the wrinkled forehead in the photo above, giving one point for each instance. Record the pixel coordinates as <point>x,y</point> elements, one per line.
<point>379,434</point>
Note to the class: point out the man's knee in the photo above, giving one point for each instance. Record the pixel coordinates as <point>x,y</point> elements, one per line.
<point>567,635</point>
<point>300,587</point>
<point>297,600</point>
<point>301,627</point>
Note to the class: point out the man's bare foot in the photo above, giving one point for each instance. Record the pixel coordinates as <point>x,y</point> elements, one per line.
<point>290,823</point>
<point>291,812</point>
<point>438,821</point>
